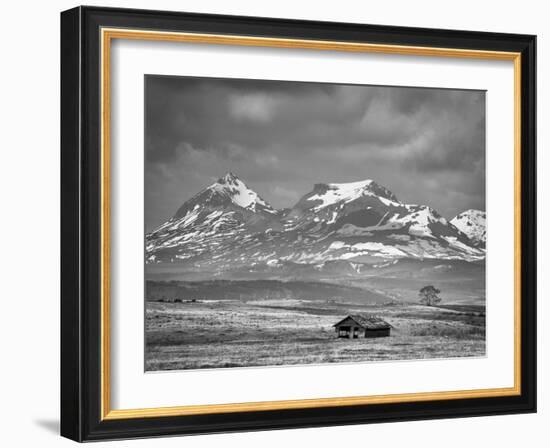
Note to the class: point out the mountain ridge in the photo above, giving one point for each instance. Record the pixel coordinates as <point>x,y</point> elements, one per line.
<point>227,226</point>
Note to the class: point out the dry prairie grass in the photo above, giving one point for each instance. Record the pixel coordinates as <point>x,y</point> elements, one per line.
<point>214,334</point>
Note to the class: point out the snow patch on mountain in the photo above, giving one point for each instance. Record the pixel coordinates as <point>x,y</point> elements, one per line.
<point>473,224</point>
<point>346,192</point>
<point>420,221</point>
<point>237,191</point>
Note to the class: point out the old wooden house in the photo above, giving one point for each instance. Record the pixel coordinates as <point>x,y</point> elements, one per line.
<point>362,326</point>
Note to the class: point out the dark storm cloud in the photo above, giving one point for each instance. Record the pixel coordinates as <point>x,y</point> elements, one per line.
<point>426,145</point>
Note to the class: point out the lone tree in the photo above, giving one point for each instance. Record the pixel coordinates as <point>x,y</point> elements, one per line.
<point>429,295</point>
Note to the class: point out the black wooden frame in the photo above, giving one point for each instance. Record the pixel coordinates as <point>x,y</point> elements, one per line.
<point>80,224</point>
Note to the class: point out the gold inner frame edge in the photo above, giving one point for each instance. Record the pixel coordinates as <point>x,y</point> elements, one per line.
<point>107,35</point>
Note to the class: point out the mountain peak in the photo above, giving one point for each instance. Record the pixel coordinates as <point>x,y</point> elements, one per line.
<point>227,190</point>
<point>228,178</point>
<point>328,194</point>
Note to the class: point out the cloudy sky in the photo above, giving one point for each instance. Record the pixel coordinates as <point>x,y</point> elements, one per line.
<point>426,145</point>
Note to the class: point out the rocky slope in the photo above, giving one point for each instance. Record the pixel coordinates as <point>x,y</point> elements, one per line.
<point>473,224</point>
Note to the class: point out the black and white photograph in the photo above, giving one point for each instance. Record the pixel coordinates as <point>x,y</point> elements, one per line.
<point>308,223</point>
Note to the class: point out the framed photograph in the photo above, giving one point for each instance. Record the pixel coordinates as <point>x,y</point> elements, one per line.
<point>277,224</point>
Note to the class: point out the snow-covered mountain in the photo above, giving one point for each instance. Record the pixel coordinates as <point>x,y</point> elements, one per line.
<point>228,226</point>
<point>226,191</point>
<point>472,223</point>
<point>211,221</point>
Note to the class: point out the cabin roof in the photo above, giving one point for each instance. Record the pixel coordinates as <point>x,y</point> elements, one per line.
<point>370,322</point>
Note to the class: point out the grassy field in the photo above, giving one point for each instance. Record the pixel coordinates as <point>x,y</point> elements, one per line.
<point>237,333</point>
